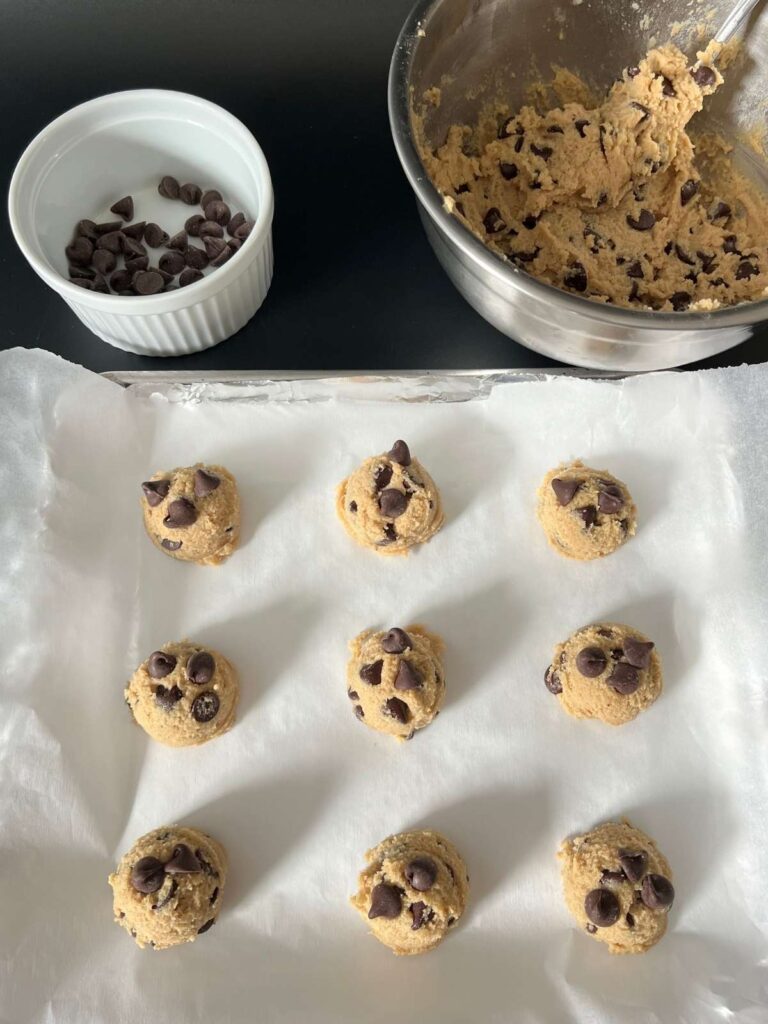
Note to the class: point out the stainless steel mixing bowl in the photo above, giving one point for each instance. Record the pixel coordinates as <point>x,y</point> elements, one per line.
<point>477,50</point>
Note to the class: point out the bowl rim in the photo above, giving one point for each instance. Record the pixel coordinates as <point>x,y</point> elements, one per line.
<point>139,305</point>
<point>399,92</point>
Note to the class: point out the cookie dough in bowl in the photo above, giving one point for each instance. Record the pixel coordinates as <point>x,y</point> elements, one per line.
<point>586,513</point>
<point>617,885</point>
<point>390,503</point>
<point>184,694</point>
<point>607,671</point>
<point>395,679</point>
<point>413,891</point>
<point>193,513</point>
<point>167,889</point>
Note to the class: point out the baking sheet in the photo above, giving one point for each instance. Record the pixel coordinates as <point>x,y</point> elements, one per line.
<point>299,789</point>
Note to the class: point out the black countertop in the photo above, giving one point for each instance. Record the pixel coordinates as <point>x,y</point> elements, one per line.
<point>356,284</point>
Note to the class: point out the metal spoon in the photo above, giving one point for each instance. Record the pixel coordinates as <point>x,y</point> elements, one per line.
<point>741,9</point>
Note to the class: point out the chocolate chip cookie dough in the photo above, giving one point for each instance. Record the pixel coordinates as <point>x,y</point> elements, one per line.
<point>607,671</point>
<point>193,513</point>
<point>617,886</point>
<point>396,680</point>
<point>167,889</point>
<point>184,694</point>
<point>586,513</point>
<point>390,503</point>
<point>612,202</point>
<point>413,891</point>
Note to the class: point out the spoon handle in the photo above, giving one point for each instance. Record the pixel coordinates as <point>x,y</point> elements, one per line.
<point>740,11</point>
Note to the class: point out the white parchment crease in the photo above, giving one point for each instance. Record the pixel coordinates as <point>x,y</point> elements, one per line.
<point>299,789</point>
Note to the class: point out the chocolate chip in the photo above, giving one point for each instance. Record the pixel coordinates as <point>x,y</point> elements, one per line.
<point>590,929</point>
<point>382,476</point>
<point>147,875</point>
<point>169,187</point>
<point>218,211</point>
<point>588,515</point>
<point>708,263</point>
<point>624,679</point>
<point>421,914</point>
<point>172,887</point>
<point>87,229</point>
<point>552,681</point>
<point>508,171</point>
<point>617,653</point>
<point>390,534</point>
<point>190,194</point>
<point>170,545</point>
<point>580,126</point>
<point>210,229</point>
<point>392,502</point>
<point>730,244</point>
<point>610,499</point>
<point>421,873</point>
<point>181,512</point>
<point>154,235</point>
<point>189,276</point>
<point>353,506</point>
<point>630,920</point>
<point>745,270</point>
<point>680,301</point>
<point>683,256</point>
<point>353,695</point>
<point>160,664</point>
<point>167,698</point>
<point>493,221</point>
<point>121,280</point>
<point>638,652</point>
<point>657,892</point>
<point>667,88</point>
<point>359,713</point>
<point>565,489</point>
<point>148,282</point>
<point>633,71</point>
<point>371,674</point>
<point>155,491</point>
<point>396,641</point>
<point>400,453</point>
<point>192,225</point>
<point>123,208</point>
<point>591,662</point>
<point>79,251</point>
<point>544,152</point>
<point>644,222</point>
<point>214,895</point>
<point>244,231</point>
<point>82,272</point>
<point>633,863</point>
<point>396,708</point>
<point>178,241</point>
<point>703,76</point>
<point>135,231</point>
<point>407,677</point>
<point>385,901</point>
<point>235,222</point>
<point>205,707</point>
<point>200,668</point>
<point>172,263</point>
<point>135,265</point>
<point>104,261</point>
<point>100,285</point>
<point>719,210</point>
<point>205,483</point>
<point>208,924</point>
<point>602,907</point>
<point>644,110</point>
<point>635,270</point>
<point>555,129</point>
<point>576,278</point>
<point>214,246</point>
<point>182,862</point>
<point>601,131</point>
<point>688,190</point>
<point>226,253</point>
<point>505,129</point>
<point>612,877</point>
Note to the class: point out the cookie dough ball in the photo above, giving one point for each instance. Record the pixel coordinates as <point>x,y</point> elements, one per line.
<point>586,513</point>
<point>167,888</point>
<point>413,891</point>
<point>607,671</point>
<point>193,513</point>
<point>617,886</point>
<point>396,680</point>
<point>390,503</point>
<point>184,694</point>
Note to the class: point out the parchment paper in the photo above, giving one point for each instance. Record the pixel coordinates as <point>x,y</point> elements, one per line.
<point>299,789</point>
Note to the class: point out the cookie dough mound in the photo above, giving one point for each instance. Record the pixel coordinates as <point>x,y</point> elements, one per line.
<point>586,513</point>
<point>607,671</point>
<point>618,886</point>
<point>390,503</point>
<point>184,694</point>
<point>167,889</point>
<point>193,513</point>
<point>413,891</point>
<point>396,679</point>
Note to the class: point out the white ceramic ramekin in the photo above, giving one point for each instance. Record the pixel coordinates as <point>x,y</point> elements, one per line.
<point>121,144</point>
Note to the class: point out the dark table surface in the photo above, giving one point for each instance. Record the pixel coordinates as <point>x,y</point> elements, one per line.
<point>356,284</point>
